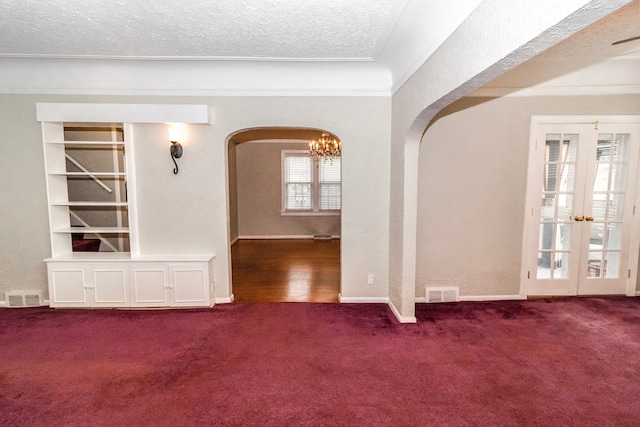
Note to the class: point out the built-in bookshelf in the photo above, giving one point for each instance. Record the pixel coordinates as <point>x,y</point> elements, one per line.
<point>86,173</point>
<point>91,186</point>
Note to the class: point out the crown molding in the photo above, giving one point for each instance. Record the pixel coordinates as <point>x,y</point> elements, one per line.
<point>192,78</point>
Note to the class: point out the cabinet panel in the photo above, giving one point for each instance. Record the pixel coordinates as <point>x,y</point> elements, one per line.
<point>150,286</point>
<point>110,286</point>
<point>67,287</point>
<point>189,286</point>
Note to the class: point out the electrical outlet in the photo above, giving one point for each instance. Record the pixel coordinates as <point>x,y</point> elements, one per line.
<point>370,280</point>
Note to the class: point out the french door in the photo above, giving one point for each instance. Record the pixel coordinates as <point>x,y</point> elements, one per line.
<point>581,227</point>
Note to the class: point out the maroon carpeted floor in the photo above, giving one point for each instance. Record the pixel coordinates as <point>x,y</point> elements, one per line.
<point>565,362</point>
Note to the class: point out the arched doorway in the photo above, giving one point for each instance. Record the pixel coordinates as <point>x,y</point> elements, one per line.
<point>284,217</point>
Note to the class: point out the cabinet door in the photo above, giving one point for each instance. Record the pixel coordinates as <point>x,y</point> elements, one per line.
<point>67,286</point>
<point>150,285</point>
<point>189,283</point>
<point>110,285</point>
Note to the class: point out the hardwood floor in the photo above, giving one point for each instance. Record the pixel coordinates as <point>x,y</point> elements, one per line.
<point>286,270</point>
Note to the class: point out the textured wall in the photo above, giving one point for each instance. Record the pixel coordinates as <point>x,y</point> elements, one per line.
<point>497,36</point>
<point>188,212</point>
<point>260,199</point>
<point>24,229</point>
<point>472,189</point>
<point>233,192</point>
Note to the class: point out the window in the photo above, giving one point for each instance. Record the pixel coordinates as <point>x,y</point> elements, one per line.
<point>308,188</point>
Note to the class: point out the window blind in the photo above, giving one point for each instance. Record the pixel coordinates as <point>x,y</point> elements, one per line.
<point>298,177</point>
<point>329,179</point>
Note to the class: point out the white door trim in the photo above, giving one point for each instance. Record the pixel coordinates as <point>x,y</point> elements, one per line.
<point>634,193</point>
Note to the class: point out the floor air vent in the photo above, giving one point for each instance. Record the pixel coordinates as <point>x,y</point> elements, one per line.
<point>23,298</point>
<point>448,294</point>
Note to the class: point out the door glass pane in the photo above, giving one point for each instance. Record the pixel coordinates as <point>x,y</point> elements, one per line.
<point>552,152</point>
<point>599,206</point>
<point>596,236</point>
<point>612,265</point>
<point>565,152</point>
<point>604,147</point>
<point>620,147</point>
<point>559,170</point>
<point>544,265</point>
<point>602,177</point>
<point>614,211</point>
<point>567,177</point>
<point>561,270</point>
<point>570,147</point>
<point>565,207</point>
<point>614,235</point>
<point>594,265</point>
<point>563,234</point>
<point>546,237</point>
<point>548,207</point>
<point>550,180</point>
<point>618,176</point>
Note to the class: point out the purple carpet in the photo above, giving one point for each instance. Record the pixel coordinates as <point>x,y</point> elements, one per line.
<point>565,362</point>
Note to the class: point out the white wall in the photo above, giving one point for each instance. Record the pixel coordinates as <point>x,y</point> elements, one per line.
<point>233,192</point>
<point>259,187</point>
<point>188,212</point>
<point>472,189</point>
<point>497,36</point>
<point>24,228</point>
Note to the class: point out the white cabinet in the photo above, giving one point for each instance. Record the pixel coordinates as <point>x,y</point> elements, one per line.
<point>89,285</point>
<point>84,280</point>
<point>174,284</point>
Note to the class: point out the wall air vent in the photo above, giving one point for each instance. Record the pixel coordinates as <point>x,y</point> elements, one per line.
<point>443,294</point>
<point>23,299</point>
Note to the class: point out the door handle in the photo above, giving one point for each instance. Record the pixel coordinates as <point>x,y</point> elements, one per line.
<point>589,218</point>
<point>578,218</point>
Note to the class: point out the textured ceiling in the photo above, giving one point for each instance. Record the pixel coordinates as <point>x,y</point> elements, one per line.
<point>595,41</point>
<point>586,63</point>
<point>254,47</point>
<point>368,47</point>
<point>276,29</point>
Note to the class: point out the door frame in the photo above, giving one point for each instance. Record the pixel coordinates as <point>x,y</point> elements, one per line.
<point>531,199</point>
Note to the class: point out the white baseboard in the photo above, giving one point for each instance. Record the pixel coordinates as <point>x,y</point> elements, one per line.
<point>377,300</point>
<point>300,236</point>
<point>362,300</point>
<point>227,300</point>
<point>420,300</point>
<point>3,303</point>
<point>234,241</point>
<point>400,317</point>
<point>491,297</point>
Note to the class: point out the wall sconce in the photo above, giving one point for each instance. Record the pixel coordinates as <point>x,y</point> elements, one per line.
<point>176,153</point>
<point>175,149</point>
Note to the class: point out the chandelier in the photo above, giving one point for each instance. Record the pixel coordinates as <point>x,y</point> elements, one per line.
<point>326,148</point>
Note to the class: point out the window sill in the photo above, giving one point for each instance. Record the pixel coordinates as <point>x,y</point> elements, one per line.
<point>310,213</point>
